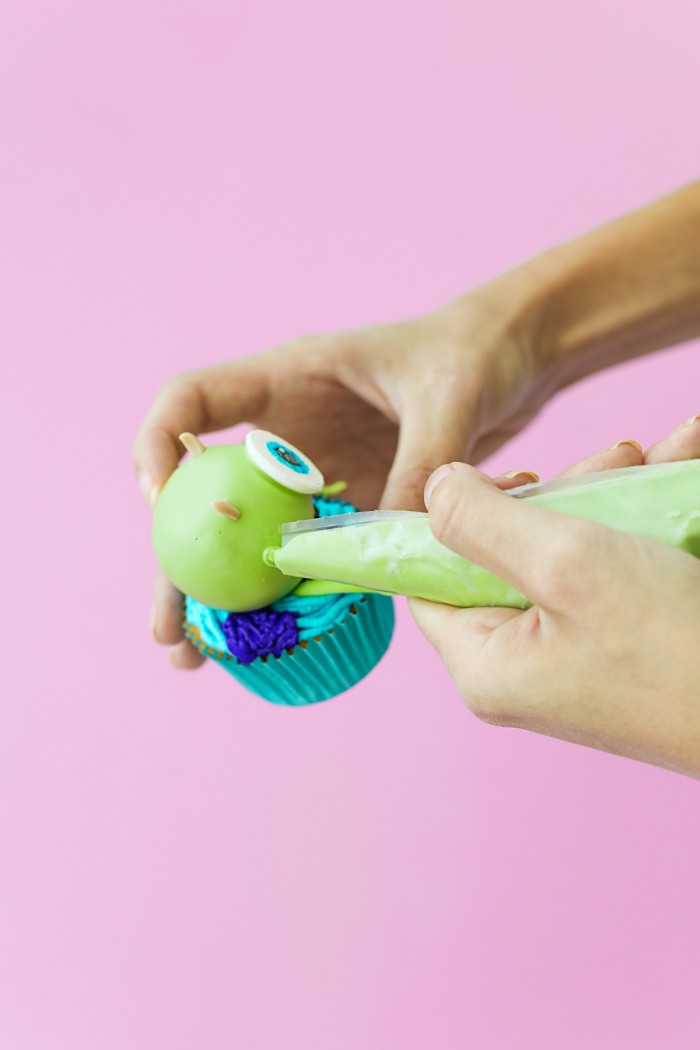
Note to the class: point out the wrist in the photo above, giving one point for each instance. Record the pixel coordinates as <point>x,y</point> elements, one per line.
<point>560,314</point>
<point>620,291</point>
<point>567,330</point>
<point>514,310</point>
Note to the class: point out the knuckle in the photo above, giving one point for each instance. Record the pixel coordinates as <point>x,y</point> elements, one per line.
<point>185,392</point>
<point>312,356</point>
<point>451,391</point>
<point>176,386</point>
<point>303,345</point>
<point>454,386</point>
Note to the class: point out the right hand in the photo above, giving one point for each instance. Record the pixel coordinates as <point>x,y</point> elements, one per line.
<point>607,655</point>
<point>377,407</point>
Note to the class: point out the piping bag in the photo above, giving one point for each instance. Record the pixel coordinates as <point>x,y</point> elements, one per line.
<point>394,552</point>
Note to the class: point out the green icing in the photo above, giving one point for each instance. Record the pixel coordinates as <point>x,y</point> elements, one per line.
<point>207,555</point>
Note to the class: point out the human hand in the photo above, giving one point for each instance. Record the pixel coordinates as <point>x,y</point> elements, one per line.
<point>378,407</point>
<point>608,654</point>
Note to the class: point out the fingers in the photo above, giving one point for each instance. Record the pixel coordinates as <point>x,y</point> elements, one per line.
<point>179,407</point>
<point>626,453</point>
<point>200,402</point>
<point>185,657</point>
<point>210,399</point>
<point>458,632</point>
<point>683,443</point>
<point>515,478</point>
<point>538,551</point>
<point>482,649</point>
<point>430,434</point>
<point>443,627</point>
<point>166,624</point>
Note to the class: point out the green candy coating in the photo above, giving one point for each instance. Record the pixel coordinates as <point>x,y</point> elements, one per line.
<point>207,555</point>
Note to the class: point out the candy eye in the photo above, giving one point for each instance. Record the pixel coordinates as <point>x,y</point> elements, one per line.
<point>283,462</point>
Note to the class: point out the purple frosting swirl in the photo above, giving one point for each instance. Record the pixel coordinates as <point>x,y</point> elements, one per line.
<point>259,633</point>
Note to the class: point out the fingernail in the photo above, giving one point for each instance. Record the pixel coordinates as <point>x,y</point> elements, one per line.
<point>526,473</point>
<point>149,490</point>
<point>434,480</point>
<point>689,422</point>
<point>628,441</point>
<point>153,624</point>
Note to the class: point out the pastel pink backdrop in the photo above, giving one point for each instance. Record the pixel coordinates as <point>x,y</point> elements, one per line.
<point>183,865</point>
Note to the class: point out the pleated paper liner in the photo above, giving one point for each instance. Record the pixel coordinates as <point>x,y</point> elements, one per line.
<point>321,667</point>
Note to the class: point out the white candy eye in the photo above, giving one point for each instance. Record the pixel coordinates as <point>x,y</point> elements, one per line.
<point>283,462</point>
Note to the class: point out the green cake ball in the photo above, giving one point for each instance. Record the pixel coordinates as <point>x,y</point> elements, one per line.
<point>222,508</point>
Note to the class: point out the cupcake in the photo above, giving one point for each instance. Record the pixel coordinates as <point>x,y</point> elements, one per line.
<point>300,650</point>
<point>215,518</point>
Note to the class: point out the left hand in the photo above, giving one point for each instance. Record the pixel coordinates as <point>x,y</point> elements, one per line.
<point>608,655</point>
<point>356,403</point>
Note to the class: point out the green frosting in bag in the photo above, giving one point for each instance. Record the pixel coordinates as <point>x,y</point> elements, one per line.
<point>399,554</point>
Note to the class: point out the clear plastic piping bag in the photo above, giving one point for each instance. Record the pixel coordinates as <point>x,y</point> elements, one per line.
<point>395,551</point>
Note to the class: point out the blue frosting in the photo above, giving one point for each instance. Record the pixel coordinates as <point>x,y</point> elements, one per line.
<point>315,614</point>
<point>326,505</point>
<point>208,624</point>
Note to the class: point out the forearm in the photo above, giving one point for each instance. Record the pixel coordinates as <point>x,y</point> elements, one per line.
<point>621,291</point>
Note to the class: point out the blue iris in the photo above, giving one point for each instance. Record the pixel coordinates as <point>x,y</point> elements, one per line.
<point>287,457</point>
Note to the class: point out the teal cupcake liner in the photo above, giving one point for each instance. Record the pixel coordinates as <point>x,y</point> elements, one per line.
<point>325,666</point>
<point>321,667</point>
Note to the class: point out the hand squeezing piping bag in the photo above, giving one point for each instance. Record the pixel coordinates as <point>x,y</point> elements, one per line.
<point>395,552</point>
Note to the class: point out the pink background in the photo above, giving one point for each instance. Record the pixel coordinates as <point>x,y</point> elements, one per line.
<point>182,865</point>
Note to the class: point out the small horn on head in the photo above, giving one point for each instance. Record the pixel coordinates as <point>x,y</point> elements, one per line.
<point>228,509</point>
<point>192,443</point>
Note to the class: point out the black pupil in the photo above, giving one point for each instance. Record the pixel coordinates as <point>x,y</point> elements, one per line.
<point>288,456</point>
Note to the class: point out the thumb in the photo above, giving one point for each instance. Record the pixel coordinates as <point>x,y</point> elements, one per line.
<point>430,434</point>
<point>548,556</point>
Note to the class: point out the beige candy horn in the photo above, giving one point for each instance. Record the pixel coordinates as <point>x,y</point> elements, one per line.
<point>192,443</point>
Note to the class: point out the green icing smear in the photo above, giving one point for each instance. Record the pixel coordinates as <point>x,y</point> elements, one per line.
<point>401,556</point>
